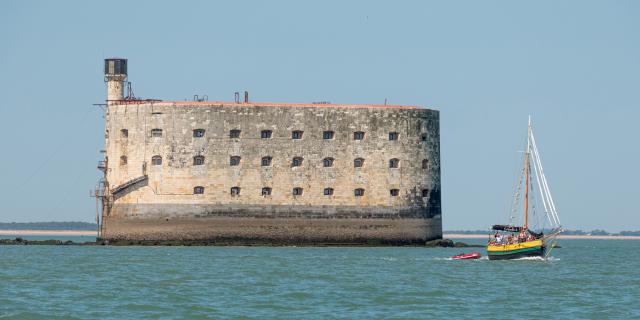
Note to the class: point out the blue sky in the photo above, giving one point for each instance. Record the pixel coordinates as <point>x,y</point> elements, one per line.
<point>573,65</point>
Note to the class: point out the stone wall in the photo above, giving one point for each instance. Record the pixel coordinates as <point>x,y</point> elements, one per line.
<point>155,207</point>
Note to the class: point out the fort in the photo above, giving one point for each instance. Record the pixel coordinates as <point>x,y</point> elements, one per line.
<point>267,173</point>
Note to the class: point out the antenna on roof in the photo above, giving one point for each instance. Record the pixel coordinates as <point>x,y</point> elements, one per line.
<point>237,97</point>
<point>130,95</point>
<point>246,97</point>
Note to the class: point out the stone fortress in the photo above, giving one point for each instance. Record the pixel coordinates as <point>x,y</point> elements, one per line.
<point>267,173</point>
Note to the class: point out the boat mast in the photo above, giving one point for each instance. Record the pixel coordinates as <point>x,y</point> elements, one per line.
<point>526,172</point>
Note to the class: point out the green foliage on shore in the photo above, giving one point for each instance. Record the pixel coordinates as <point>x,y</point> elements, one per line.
<point>53,225</point>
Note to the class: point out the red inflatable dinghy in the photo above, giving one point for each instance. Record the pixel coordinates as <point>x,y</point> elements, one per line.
<point>464,256</point>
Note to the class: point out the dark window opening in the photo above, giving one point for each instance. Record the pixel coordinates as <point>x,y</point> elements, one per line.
<point>123,160</point>
<point>234,134</point>
<point>235,191</point>
<point>425,164</point>
<point>394,163</point>
<point>297,191</point>
<point>297,161</point>
<point>394,192</point>
<point>358,163</point>
<point>327,135</point>
<point>266,191</point>
<point>124,133</point>
<point>393,136</point>
<point>265,134</point>
<point>328,191</point>
<point>297,134</point>
<point>358,192</point>
<point>156,160</point>
<point>198,160</point>
<point>266,161</point>
<point>198,190</point>
<point>358,135</point>
<point>234,161</point>
<point>425,193</point>
<point>198,133</point>
<point>423,137</point>
<point>327,162</point>
<point>156,133</point>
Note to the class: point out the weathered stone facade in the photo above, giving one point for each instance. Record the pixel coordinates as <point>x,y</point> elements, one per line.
<point>173,168</point>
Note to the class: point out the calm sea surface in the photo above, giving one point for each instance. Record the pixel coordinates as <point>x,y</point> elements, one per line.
<point>585,279</point>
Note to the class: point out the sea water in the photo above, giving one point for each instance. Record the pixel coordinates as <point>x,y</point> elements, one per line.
<point>584,279</point>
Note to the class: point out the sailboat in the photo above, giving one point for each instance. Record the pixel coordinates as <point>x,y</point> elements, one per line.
<point>512,241</point>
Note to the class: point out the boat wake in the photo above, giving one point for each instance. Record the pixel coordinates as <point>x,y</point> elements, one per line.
<point>536,259</point>
<point>443,259</point>
<point>451,259</point>
<point>485,258</point>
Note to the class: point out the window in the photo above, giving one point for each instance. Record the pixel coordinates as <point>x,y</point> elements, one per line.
<point>358,163</point>
<point>234,134</point>
<point>198,190</point>
<point>156,133</point>
<point>266,191</point>
<point>327,162</point>
<point>423,137</point>
<point>358,192</point>
<point>328,191</point>
<point>296,135</point>
<point>327,135</point>
<point>198,160</point>
<point>266,161</point>
<point>425,164</point>
<point>265,134</point>
<point>358,135</point>
<point>123,160</point>
<point>198,133</point>
<point>394,192</point>
<point>297,191</point>
<point>124,133</point>
<point>234,161</point>
<point>235,191</point>
<point>425,193</point>
<point>394,163</point>
<point>156,161</point>
<point>297,161</point>
<point>393,136</point>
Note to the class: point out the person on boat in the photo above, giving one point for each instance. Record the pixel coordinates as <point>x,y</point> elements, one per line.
<point>498,237</point>
<point>522,237</point>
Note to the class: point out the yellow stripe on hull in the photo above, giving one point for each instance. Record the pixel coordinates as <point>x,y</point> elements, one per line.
<point>514,246</point>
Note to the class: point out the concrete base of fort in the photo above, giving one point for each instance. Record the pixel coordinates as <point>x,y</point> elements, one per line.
<point>235,229</point>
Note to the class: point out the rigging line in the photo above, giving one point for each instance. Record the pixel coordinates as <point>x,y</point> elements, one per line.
<point>546,209</point>
<point>516,197</point>
<point>539,177</point>
<point>63,143</point>
<point>546,186</point>
<point>65,197</point>
<point>554,212</point>
<point>534,207</point>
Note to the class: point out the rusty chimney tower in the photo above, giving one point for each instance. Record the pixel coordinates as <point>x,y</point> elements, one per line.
<point>115,74</point>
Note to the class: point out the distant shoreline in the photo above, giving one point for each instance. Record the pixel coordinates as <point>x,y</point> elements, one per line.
<point>51,233</point>
<point>93,233</point>
<point>486,236</point>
